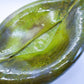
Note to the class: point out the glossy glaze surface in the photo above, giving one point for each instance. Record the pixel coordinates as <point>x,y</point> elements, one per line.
<point>50,53</point>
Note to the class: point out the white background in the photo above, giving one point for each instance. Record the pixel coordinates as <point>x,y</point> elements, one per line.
<point>74,75</point>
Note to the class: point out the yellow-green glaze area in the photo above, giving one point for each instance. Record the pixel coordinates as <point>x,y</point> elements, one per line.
<point>28,23</point>
<point>40,41</point>
<point>39,51</point>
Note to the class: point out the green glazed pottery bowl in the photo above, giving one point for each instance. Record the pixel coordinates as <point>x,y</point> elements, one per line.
<point>40,41</point>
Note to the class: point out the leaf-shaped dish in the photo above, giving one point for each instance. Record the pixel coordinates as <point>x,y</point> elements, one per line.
<point>39,41</point>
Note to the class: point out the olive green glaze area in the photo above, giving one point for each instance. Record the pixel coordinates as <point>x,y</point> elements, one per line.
<point>51,51</point>
<point>28,23</point>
